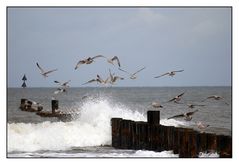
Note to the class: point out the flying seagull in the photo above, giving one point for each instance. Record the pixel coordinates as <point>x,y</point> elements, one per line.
<point>63,84</point>
<point>111,60</point>
<point>215,97</point>
<point>98,80</point>
<point>113,78</point>
<point>62,87</point>
<point>45,73</point>
<point>171,73</point>
<point>187,116</point>
<point>177,98</point>
<point>132,75</point>
<point>88,60</point>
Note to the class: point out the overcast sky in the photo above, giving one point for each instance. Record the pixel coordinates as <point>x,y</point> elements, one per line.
<point>197,40</point>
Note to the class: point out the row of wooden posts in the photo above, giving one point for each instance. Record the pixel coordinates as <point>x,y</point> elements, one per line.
<point>150,135</point>
<point>29,106</point>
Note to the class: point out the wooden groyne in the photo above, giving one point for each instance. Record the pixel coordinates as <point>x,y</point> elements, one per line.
<point>27,105</point>
<point>30,106</point>
<point>150,135</point>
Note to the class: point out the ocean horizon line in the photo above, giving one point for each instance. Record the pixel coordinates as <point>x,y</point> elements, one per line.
<point>133,86</point>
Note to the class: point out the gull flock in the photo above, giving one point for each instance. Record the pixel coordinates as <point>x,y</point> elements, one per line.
<point>112,79</point>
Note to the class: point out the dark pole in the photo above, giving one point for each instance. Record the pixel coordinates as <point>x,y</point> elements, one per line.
<point>54,105</point>
<point>153,117</point>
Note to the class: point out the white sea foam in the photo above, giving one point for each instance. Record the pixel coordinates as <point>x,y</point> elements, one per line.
<point>175,123</point>
<point>91,128</point>
<point>211,155</point>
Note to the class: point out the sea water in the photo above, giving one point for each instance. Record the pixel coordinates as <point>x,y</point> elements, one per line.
<point>89,133</point>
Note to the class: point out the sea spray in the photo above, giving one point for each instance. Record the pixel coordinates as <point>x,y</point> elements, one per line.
<point>91,128</point>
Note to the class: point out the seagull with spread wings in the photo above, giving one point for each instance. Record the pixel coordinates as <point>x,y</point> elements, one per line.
<point>98,80</point>
<point>45,73</point>
<point>133,75</point>
<point>111,60</point>
<point>171,73</point>
<point>187,116</point>
<point>63,87</point>
<point>215,97</point>
<point>114,78</point>
<point>177,98</point>
<point>88,60</point>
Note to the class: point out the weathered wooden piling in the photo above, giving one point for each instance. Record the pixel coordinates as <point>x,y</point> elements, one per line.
<point>150,135</point>
<point>30,106</point>
<point>225,146</point>
<point>202,142</point>
<point>154,138</point>
<point>193,144</point>
<point>170,137</point>
<point>23,101</point>
<point>115,125</point>
<point>125,133</point>
<point>212,142</point>
<point>142,135</point>
<point>177,142</point>
<point>54,105</point>
<point>187,145</point>
<point>153,117</point>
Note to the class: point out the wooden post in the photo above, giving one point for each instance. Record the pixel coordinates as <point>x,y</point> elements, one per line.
<point>142,133</point>
<point>184,151</point>
<point>125,133</point>
<point>23,104</point>
<point>54,105</point>
<point>177,143</point>
<point>115,126</point>
<point>193,144</point>
<point>134,135</point>
<point>153,117</point>
<point>154,137</point>
<point>202,142</point>
<point>163,137</point>
<point>212,142</point>
<point>170,136</point>
<point>23,101</point>
<point>225,146</point>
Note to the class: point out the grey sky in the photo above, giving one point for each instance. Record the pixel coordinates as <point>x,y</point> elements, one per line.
<point>197,40</point>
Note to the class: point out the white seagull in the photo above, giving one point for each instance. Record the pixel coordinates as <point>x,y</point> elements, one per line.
<point>187,116</point>
<point>89,60</point>
<point>113,78</point>
<point>111,60</point>
<point>177,98</point>
<point>156,104</point>
<point>171,73</point>
<point>45,73</point>
<point>202,126</point>
<point>63,86</point>
<point>132,75</point>
<point>215,97</point>
<point>98,80</point>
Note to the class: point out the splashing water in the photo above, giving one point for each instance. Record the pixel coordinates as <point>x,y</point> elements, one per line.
<point>91,128</point>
